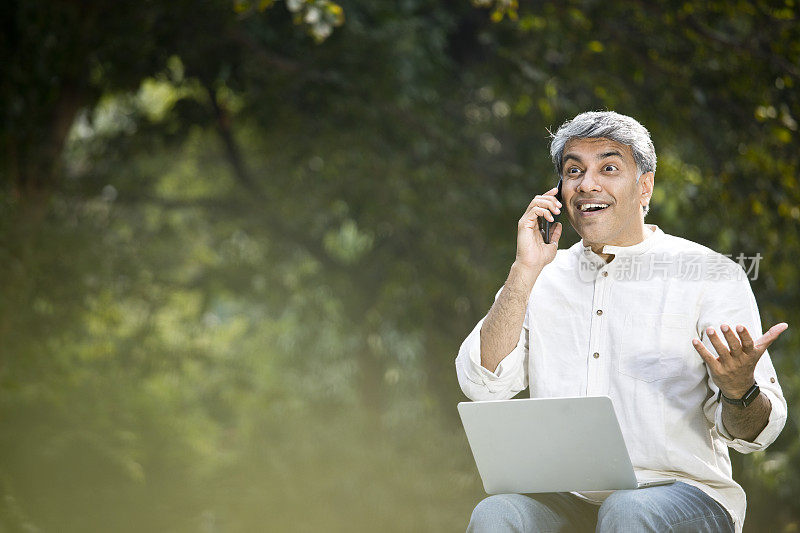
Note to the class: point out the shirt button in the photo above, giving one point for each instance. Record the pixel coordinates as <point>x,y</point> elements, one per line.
<point>595,355</point>
<point>772,380</point>
<point>605,274</point>
<point>599,311</point>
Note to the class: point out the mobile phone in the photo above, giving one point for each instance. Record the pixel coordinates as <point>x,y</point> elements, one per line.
<point>545,226</point>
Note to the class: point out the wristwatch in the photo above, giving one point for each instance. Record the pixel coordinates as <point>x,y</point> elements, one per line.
<point>751,394</point>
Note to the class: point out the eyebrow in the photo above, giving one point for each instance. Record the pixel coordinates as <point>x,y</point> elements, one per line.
<point>567,157</point>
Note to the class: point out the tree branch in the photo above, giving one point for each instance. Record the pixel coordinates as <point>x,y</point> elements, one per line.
<point>241,174</point>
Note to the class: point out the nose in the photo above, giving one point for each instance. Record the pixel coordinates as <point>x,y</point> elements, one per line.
<point>589,182</point>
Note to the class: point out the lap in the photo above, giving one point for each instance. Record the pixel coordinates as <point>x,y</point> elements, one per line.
<point>541,513</point>
<point>676,508</point>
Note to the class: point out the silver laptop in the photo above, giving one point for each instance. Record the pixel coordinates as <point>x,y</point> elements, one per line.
<point>549,445</point>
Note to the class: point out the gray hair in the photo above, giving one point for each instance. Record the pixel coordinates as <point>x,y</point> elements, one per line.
<point>609,125</point>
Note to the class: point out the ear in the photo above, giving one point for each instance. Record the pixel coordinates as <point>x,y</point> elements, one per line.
<point>646,182</point>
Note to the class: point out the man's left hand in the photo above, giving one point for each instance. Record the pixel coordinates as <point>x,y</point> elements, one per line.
<point>734,370</point>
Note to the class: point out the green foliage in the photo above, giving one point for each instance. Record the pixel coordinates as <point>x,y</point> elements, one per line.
<point>318,16</point>
<point>238,261</point>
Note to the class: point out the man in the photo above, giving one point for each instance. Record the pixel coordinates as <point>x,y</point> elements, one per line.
<point>662,325</point>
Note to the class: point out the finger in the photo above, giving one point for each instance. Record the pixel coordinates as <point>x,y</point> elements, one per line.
<point>543,202</point>
<point>529,217</point>
<point>748,346</point>
<point>763,342</point>
<point>552,194</point>
<point>530,220</point>
<point>549,202</point>
<point>708,357</point>
<point>543,212</point>
<point>734,346</point>
<point>719,346</point>
<point>556,234</point>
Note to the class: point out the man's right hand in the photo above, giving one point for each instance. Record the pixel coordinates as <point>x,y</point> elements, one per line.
<point>532,252</point>
<point>500,331</point>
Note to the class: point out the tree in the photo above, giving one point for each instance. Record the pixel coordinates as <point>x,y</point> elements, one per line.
<point>192,185</point>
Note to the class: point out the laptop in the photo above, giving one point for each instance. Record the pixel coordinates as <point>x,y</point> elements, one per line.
<point>549,445</point>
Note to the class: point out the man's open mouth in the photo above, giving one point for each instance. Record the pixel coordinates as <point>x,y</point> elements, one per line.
<point>588,208</point>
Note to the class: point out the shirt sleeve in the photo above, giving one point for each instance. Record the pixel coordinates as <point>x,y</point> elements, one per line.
<point>730,300</point>
<point>510,377</point>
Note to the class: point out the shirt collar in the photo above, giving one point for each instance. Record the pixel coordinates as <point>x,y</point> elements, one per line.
<point>654,234</point>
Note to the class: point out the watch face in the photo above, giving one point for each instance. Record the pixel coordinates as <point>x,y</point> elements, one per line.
<point>751,395</point>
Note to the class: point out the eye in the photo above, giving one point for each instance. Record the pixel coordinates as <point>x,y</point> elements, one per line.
<point>610,168</point>
<point>573,171</point>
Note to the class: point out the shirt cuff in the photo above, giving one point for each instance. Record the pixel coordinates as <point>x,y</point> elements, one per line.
<point>506,380</point>
<point>777,419</point>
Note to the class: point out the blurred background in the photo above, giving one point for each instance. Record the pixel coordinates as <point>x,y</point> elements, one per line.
<point>241,241</point>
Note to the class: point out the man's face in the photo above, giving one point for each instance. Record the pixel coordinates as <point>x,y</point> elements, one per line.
<point>602,171</point>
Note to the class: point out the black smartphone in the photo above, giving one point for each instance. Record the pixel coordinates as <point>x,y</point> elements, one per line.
<point>545,225</point>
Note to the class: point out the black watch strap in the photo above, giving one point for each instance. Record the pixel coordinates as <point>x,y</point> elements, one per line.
<point>748,398</point>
